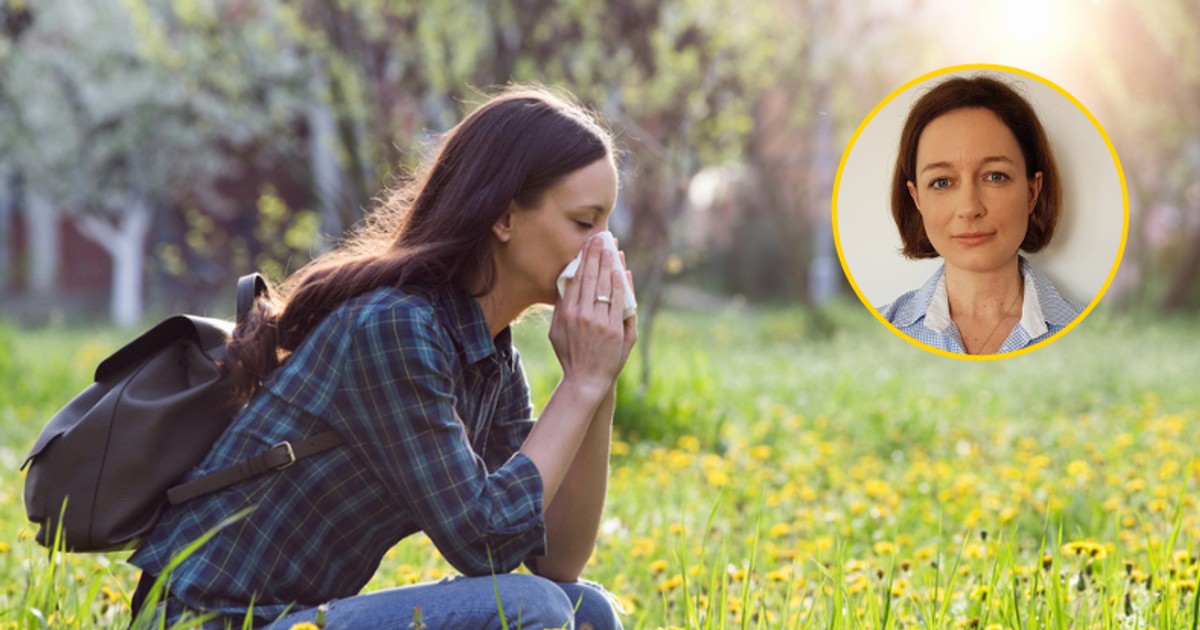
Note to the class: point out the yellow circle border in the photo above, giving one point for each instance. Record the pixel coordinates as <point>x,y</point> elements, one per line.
<point>837,182</point>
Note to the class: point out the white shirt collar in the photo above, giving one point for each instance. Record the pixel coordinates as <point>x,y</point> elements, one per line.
<point>937,316</point>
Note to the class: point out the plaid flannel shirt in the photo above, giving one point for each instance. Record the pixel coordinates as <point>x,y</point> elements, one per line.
<point>432,411</point>
<point>924,314</point>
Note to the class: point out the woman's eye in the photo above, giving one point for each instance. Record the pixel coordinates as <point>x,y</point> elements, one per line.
<point>996,177</point>
<point>940,183</point>
<point>584,225</point>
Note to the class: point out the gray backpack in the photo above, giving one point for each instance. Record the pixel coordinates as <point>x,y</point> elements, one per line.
<point>110,461</point>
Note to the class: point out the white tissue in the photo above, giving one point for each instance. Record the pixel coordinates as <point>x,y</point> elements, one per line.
<point>573,267</point>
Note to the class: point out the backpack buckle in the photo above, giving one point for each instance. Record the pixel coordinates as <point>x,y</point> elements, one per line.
<point>291,455</point>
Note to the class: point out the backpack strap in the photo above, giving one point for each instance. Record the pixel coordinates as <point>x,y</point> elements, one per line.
<point>277,457</point>
<point>249,288</point>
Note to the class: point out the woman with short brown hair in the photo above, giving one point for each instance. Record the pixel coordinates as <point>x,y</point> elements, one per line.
<point>975,183</point>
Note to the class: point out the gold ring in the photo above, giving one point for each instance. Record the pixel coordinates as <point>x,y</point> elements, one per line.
<point>604,299</point>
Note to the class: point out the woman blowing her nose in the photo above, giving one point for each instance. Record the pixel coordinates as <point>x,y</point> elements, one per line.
<point>399,341</point>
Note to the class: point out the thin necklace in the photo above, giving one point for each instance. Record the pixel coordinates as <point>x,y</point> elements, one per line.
<point>1003,316</point>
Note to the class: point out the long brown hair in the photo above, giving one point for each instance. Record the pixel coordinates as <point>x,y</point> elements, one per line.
<point>1018,115</point>
<point>436,229</point>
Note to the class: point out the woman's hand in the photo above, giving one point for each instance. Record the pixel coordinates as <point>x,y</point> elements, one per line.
<point>589,337</point>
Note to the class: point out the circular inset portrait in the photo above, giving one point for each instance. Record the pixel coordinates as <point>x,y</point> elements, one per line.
<point>980,211</point>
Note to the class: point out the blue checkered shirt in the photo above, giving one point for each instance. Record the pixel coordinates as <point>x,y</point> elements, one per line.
<point>924,314</point>
<point>432,411</point>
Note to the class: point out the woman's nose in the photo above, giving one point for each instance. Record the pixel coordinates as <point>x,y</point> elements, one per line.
<point>970,205</point>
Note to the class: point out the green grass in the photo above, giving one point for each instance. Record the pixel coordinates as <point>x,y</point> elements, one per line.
<point>792,469</point>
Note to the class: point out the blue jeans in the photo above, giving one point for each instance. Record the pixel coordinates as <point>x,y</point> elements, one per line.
<point>529,602</point>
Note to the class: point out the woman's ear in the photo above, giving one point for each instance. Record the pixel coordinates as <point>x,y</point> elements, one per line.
<point>912,192</point>
<point>503,226</point>
<point>1035,189</point>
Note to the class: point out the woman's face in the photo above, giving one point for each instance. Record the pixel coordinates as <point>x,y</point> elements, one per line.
<point>542,240</point>
<point>972,191</point>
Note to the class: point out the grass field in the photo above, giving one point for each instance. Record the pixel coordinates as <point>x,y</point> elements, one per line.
<point>787,469</point>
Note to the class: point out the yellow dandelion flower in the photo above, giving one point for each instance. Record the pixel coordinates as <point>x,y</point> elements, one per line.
<point>4,547</point>
<point>679,460</point>
<point>857,585</point>
<point>877,488</point>
<point>304,625</point>
<point>689,443</point>
<point>855,566</point>
<point>884,548</point>
<point>1184,586</point>
<point>670,584</point>
<point>658,566</point>
<point>1077,548</point>
<point>788,553</point>
<point>761,452</point>
<point>1079,468</point>
<point>778,575</point>
<point>619,448</point>
<point>780,530</point>
<point>716,478</point>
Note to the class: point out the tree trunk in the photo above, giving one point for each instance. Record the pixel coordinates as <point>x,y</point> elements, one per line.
<point>125,244</point>
<point>7,202</point>
<point>327,174</point>
<point>823,270</point>
<point>1186,276</point>
<point>41,221</point>
<point>647,312</point>
<point>823,267</point>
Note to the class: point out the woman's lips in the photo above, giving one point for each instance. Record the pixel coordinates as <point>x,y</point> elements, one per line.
<point>971,239</point>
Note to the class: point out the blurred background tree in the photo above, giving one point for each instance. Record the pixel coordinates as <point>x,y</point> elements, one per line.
<point>125,116</point>
<point>193,140</point>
